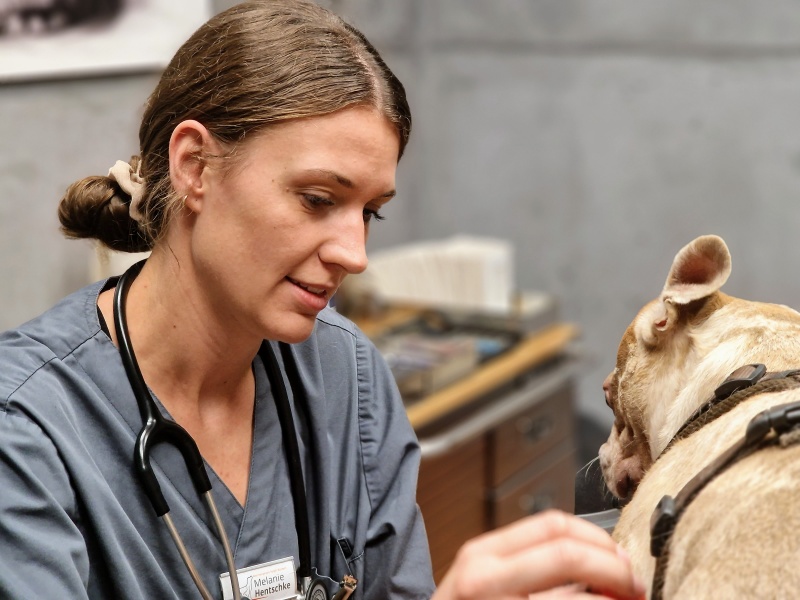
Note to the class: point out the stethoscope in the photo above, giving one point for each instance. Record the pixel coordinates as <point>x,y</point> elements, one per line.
<point>158,429</point>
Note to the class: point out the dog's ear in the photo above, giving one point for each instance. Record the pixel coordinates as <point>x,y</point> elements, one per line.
<point>700,269</point>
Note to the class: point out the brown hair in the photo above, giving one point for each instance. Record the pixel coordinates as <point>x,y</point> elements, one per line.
<point>258,63</point>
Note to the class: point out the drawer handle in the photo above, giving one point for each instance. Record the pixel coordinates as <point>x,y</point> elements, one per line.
<point>531,504</point>
<point>535,430</point>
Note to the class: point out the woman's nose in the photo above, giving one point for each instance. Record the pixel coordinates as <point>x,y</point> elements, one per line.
<point>347,246</point>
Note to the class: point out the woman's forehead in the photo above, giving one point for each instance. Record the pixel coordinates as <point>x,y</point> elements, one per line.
<point>349,138</point>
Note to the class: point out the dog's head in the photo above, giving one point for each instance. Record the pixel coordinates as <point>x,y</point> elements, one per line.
<point>658,353</point>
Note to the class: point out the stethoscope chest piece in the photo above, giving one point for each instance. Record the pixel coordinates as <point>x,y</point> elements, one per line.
<point>316,591</point>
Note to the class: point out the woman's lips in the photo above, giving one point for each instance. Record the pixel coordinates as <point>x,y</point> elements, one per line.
<point>315,297</point>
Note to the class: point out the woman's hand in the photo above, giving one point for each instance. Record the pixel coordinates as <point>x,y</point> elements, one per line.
<point>549,555</point>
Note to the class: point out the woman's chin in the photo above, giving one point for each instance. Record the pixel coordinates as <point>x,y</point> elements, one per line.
<point>295,329</point>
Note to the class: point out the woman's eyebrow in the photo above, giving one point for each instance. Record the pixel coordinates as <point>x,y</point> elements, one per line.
<point>340,179</point>
<point>344,181</point>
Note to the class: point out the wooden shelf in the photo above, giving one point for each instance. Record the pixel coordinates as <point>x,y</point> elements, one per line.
<point>397,316</point>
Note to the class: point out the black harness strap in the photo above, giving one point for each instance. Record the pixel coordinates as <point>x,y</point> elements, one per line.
<point>740,385</point>
<point>763,430</point>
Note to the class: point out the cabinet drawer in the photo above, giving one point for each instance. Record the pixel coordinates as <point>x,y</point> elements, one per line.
<point>554,487</point>
<point>517,442</point>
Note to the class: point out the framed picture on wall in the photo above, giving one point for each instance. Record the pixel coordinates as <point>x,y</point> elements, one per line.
<point>47,39</point>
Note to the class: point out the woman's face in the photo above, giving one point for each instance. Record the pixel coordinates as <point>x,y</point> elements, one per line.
<point>279,232</point>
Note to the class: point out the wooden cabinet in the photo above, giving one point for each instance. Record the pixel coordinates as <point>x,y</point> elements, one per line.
<point>532,461</point>
<point>451,494</point>
<point>512,454</point>
<point>550,486</point>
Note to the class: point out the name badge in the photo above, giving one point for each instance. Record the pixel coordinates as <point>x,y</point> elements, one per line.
<point>275,580</point>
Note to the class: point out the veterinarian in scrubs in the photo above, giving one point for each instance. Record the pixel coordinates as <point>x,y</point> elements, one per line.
<point>267,151</point>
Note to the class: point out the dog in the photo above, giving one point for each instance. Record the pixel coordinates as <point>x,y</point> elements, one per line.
<point>740,536</point>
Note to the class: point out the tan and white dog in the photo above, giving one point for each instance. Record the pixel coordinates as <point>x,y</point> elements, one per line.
<point>740,538</point>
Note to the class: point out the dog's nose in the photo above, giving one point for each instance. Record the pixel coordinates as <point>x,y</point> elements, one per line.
<point>607,381</point>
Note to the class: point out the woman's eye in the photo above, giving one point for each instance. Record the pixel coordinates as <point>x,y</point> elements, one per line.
<point>315,201</point>
<point>370,214</point>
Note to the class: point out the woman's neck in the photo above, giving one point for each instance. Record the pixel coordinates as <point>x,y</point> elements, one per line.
<point>201,375</point>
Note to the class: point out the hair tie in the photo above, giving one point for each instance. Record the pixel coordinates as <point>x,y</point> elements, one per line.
<point>132,184</point>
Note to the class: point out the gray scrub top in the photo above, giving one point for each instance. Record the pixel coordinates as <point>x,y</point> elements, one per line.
<point>75,523</point>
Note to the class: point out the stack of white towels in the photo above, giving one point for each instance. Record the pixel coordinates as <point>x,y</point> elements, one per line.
<point>462,272</point>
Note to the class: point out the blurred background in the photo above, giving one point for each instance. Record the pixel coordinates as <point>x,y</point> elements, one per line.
<point>597,138</point>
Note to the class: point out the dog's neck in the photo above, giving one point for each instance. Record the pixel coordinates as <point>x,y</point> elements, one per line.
<point>712,351</point>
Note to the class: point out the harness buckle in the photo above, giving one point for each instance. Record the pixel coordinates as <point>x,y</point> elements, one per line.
<point>741,378</point>
<point>781,418</point>
<point>662,522</point>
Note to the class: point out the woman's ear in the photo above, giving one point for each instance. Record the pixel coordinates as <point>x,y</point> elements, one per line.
<point>189,144</point>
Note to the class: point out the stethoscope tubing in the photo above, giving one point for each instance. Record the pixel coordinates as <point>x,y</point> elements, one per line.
<point>157,429</point>
<point>289,432</point>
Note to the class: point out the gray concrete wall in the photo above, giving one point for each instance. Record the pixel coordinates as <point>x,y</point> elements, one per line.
<point>599,137</point>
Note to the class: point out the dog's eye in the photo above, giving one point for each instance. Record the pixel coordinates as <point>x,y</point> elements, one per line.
<point>611,389</point>
<point>619,425</point>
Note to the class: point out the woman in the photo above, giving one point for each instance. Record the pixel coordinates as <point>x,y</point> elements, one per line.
<point>266,151</point>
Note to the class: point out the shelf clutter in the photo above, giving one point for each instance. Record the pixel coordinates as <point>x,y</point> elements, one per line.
<point>460,305</point>
<point>435,348</point>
